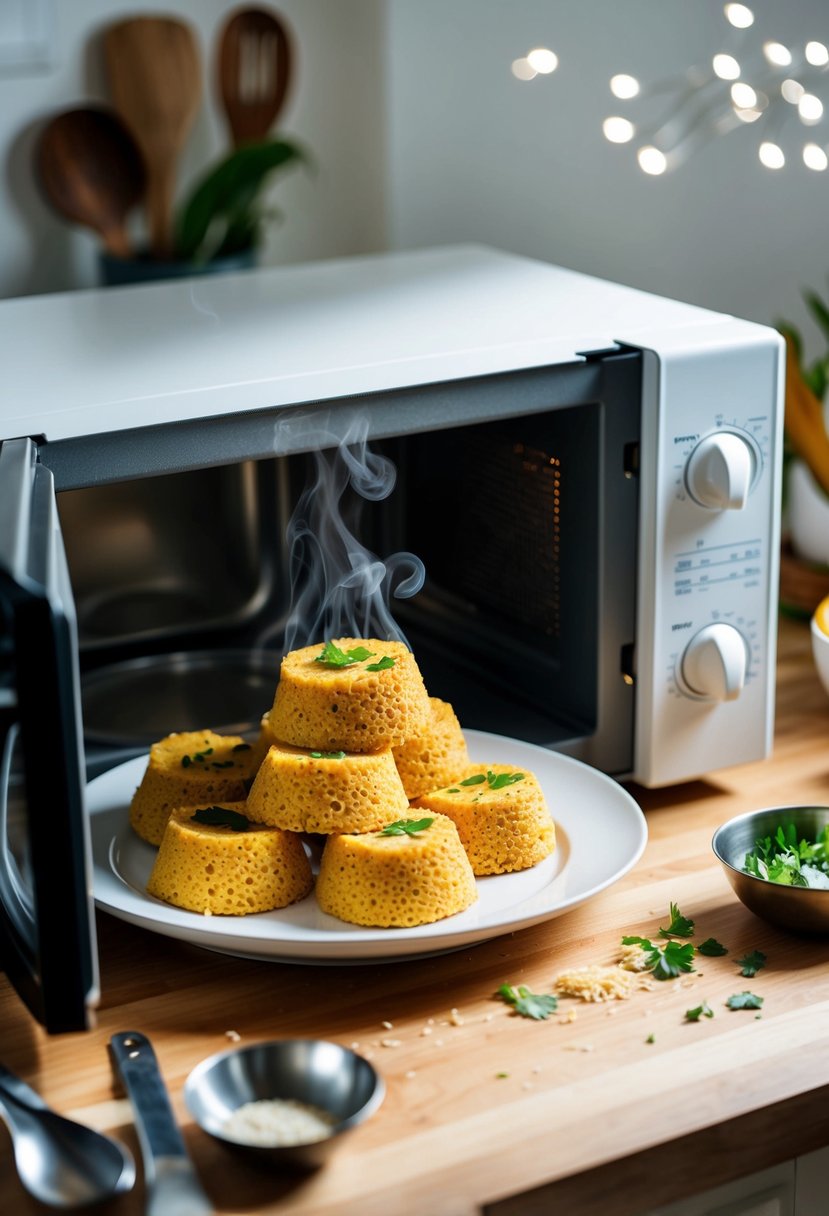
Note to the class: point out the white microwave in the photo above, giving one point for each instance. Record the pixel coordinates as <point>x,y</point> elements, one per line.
<point>573,518</point>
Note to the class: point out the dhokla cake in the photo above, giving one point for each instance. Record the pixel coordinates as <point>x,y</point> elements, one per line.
<point>412,872</point>
<point>435,757</point>
<point>214,860</point>
<point>265,739</point>
<point>188,768</point>
<point>501,815</point>
<point>302,790</point>
<point>351,695</point>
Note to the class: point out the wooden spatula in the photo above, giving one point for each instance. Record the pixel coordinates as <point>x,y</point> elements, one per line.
<point>91,171</point>
<point>154,75</point>
<point>255,67</point>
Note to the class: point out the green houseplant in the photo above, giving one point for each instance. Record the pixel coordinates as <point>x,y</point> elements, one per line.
<point>221,222</point>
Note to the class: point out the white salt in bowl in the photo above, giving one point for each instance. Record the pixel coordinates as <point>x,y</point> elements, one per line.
<point>313,1072</point>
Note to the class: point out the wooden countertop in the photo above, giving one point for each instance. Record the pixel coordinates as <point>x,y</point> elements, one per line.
<point>585,1101</point>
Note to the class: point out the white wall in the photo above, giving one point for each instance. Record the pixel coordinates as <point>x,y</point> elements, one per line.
<point>335,109</point>
<point>477,155</point>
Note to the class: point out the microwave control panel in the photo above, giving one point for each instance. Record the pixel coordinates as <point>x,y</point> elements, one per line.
<point>716,534</point>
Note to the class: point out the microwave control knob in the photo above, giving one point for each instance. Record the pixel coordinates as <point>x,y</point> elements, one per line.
<point>715,662</point>
<point>720,471</point>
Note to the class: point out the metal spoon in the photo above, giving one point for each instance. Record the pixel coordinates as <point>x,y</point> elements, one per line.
<point>62,1163</point>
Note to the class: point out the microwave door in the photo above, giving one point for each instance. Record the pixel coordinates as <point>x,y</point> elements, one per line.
<point>47,927</point>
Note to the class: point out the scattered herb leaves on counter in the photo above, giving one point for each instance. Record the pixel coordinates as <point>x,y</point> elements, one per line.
<point>780,858</point>
<point>752,963</point>
<point>667,962</point>
<point>499,1076</point>
<point>406,827</point>
<point>702,1011</point>
<point>327,755</point>
<point>220,816</point>
<point>744,1000</point>
<point>651,1038</point>
<point>528,1004</point>
<point>712,948</point>
<point>384,664</point>
<point>680,925</point>
<point>332,656</point>
<point>475,779</point>
<point>498,781</point>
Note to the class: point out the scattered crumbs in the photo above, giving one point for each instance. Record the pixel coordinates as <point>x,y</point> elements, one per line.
<point>611,1013</point>
<point>233,1035</point>
<point>387,1025</point>
<point>368,1055</point>
<point>438,1042</point>
<point>536,1068</point>
<point>598,983</point>
<point>430,1021</point>
<point>527,1085</point>
<point>355,1046</point>
<point>757,1017</point>
<point>651,1038</point>
<point>426,1030</point>
<point>455,1018</point>
<point>488,1017</point>
<point>411,1074</point>
<point>633,958</point>
<point>390,1042</point>
<point>578,1046</point>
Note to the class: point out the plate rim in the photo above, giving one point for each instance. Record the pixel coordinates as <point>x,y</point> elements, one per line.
<point>364,944</point>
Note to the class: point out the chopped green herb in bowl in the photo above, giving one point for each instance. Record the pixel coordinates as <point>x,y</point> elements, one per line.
<point>777,862</point>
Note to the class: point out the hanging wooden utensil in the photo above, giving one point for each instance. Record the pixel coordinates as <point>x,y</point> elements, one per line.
<point>155,80</point>
<point>91,171</point>
<point>255,69</point>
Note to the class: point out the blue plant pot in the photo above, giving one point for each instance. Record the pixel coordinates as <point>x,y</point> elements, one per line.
<point>116,272</point>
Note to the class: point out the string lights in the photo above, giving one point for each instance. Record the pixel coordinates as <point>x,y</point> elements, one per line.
<point>767,83</point>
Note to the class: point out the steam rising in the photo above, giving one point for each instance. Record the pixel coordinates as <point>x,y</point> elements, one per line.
<point>338,587</point>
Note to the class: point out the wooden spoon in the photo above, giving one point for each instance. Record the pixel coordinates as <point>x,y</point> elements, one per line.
<point>91,172</point>
<point>155,80</point>
<point>255,68</point>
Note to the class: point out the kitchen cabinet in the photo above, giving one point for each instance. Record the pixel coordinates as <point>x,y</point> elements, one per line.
<point>624,1109</point>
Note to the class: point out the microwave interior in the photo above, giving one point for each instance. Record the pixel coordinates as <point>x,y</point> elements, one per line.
<point>180,590</point>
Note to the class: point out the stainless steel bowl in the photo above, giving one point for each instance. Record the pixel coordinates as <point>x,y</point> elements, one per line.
<point>313,1071</point>
<point>802,909</point>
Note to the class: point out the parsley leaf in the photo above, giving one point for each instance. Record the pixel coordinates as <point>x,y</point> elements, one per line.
<point>779,858</point>
<point>383,665</point>
<point>332,656</point>
<point>528,1004</point>
<point>651,1038</point>
<point>744,1000</point>
<point>406,827</point>
<point>667,962</point>
<point>711,948</point>
<point>702,1011</point>
<point>220,816</point>
<point>752,963</point>
<point>475,779</point>
<point>327,755</point>
<point>680,925</point>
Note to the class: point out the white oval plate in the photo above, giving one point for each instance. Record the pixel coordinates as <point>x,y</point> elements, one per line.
<point>600,831</point>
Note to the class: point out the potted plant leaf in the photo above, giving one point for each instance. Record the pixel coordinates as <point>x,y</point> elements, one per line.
<point>220,224</point>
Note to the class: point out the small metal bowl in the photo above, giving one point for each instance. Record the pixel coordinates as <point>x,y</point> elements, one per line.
<point>802,909</point>
<point>312,1071</point>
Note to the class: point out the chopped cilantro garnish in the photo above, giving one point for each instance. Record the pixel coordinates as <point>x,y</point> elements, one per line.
<point>186,761</point>
<point>241,747</point>
<point>526,1003</point>
<point>499,1076</point>
<point>498,781</point>
<point>680,925</point>
<point>651,1038</point>
<point>332,656</point>
<point>744,1000</point>
<point>406,827</point>
<point>475,779</point>
<point>752,963</point>
<point>327,755</point>
<point>220,816</point>
<point>383,665</point>
<point>454,790</point>
<point>779,858</point>
<point>711,948</point>
<point>702,1011</point>
<point>667,962</point>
